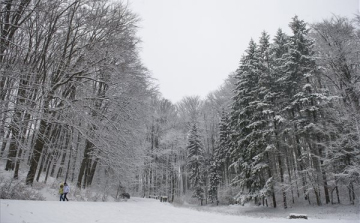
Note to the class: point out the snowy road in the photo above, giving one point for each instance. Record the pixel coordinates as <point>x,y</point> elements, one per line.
<point>136,210</point>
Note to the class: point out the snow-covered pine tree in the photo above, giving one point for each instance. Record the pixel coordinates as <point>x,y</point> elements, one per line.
<point>239,118</point>
<point>275,97</point>
<point>266,142</point>
<point>222,153</point>
<point>245,142</point>
<point>262,143</point>
<point>302,108</point>
<point>195,163</point>
<point>214,177</point>
<point>218,172</point>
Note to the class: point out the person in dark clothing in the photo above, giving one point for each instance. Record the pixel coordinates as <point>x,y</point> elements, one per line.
<point>66,191</point>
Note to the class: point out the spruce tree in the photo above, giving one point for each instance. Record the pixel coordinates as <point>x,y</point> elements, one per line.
<point>262,142</point>
<point>265,109</point>
<point>303,106</point>
<point>196,163</point>
<point>247,143</point>
<point>278,48</point>
<point>222,153</point>
<point>214,180</point>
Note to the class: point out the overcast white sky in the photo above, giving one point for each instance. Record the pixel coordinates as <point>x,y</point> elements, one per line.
<point>191,46</point>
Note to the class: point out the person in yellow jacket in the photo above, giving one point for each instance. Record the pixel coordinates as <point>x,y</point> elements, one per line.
<point>61,191</point>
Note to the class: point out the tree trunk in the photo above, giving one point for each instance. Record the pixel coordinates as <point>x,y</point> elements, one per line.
<point>75,158</point>
<point>282,181</point>
<point>14,144</point>
<point>299,159</point>
<point>326,189</point>
<point>48,164</point>
<point>337,194</point>
<point>62,162</point>
<point>84,163</point>
<point>68,166</point>
<point>54,162</point>
<point>290,180</point>
<point>92,172</point>
<point>173,188</point>
<point>41,168</point>
<point>4,142</point>
<point>351,193</point>
<point>17,166</point>
<point>48,159</point>
<point>10,162</point>
<point>38,147</point>
<point>317,195</point>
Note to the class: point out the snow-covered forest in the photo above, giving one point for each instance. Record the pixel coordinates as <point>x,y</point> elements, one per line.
<point>77,105</point>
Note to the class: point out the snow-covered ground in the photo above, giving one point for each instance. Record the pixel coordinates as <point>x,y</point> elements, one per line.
<point>338,212</point>
<point>138,210</point>
<point>135,210</point>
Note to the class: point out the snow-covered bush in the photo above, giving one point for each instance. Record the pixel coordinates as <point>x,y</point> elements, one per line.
<point>16,190</point>
<point>226,196</point>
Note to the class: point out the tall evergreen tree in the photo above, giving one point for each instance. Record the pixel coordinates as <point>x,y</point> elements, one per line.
<point>275,97</point>
<point>220,159</point>
<point>222,153</point>
<point>214,178</point>
<point>303,104</point>
<point>245,146</point>
<point>196,163</point>
<point>265,108</point>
